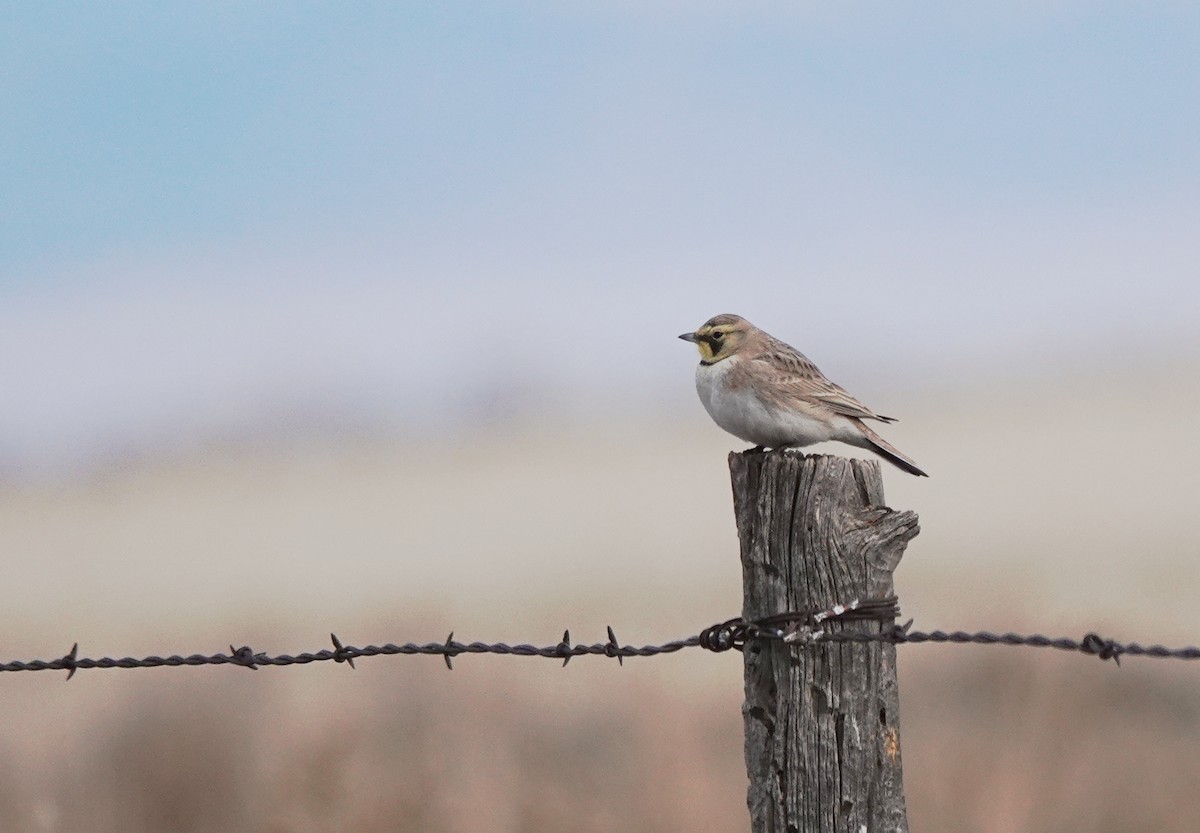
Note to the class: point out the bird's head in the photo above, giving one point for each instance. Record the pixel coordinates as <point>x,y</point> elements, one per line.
<point>719,337</point>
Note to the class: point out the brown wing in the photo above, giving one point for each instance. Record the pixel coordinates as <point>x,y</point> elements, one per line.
<point>796,377</point>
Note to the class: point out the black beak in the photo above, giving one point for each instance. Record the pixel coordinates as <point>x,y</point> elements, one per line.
<point>692,337</point>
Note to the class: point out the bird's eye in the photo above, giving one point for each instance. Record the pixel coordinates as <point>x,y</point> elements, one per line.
<point>717,335</point>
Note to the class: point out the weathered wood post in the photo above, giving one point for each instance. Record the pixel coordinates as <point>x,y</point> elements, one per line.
<point>822,720</point>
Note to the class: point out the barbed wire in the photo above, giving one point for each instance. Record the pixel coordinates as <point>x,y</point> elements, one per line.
<point>797,628</point>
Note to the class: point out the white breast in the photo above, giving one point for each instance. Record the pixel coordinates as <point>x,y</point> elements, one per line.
<point>740,412</point>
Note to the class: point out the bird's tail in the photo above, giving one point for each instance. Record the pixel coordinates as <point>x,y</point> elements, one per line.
<point>889,452</point>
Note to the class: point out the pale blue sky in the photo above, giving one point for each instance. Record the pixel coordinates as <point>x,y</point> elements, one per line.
<point>209,209</point>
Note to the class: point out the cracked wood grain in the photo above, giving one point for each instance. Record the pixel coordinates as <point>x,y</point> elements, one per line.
<point>822,721</point>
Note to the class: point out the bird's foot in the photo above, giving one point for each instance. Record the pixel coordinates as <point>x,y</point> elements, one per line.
<point>758,449</point>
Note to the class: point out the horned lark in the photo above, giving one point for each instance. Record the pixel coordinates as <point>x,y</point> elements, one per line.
<point>767,393</point>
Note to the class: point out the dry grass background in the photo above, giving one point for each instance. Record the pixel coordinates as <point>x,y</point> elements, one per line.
<point>1061,526</point>
<point>994,739</point>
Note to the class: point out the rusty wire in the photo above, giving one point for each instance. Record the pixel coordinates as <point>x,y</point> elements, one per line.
<point>802,629</point>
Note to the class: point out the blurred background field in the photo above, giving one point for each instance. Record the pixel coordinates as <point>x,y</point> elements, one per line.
<point>364,321</point>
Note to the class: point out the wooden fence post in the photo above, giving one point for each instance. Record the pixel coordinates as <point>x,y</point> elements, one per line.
<point>822,721</point>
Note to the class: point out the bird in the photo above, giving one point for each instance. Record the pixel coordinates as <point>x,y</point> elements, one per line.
<point>769,393</point>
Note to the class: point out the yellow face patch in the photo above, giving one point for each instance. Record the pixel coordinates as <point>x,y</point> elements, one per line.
<point>719,338</point>
<point>714,343</point>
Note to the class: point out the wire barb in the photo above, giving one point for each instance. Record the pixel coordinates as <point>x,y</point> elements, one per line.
<point>340,654</point>
<point>68,662</point>
<point>613,649</point>
<point>564,648</point>
<point>1101,647</point>
<point>243,656</point>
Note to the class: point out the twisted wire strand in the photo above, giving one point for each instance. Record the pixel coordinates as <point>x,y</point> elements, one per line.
<point>801,629</point>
